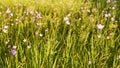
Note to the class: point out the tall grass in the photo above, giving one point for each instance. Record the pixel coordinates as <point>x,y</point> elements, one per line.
<point>59,34</point>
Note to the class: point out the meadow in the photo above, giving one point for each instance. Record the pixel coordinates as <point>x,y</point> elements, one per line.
<point>59,34</point>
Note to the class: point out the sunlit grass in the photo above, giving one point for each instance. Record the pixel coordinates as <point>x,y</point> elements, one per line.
<point>59,34</point>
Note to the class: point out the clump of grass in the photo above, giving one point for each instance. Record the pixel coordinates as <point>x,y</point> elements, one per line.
<point>59,34</point>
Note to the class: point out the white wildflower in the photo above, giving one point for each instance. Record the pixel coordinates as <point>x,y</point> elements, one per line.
<point>41,35</point>
<point>100,26</point>
<point>24,40</point>
<point>119,57</point>
<point>112,19</point>
<point>99,36</point>
<point>11,14</point>
<point>38,24</point>
<point>14,47</point>
<point>108,37</point>
<point>46,30</point>
<point>5,30</point>
<point>67,22</point>
<point>28,46</point>
<point>89,62</point>
<point>5,27</point>
<point>66,19</point>
<point>79,19</point>
<point>7,41</point>
<point>108,1</point>
<point>12,24</point>
<point>8,11</point>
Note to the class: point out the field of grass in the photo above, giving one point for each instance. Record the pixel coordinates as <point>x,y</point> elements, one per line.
<point>59,34</point>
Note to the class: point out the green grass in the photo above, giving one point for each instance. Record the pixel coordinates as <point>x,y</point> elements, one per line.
<point>54,42</point>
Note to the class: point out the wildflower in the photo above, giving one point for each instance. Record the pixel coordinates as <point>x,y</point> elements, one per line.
<point>79,19</point>
<point>38,16</point>
<point>11,14</point>
<point>119,57</point>
<point>108,37</point>
<point>38,24</point>
<point>31,12</point>
<point>108,1</point>
<point>5,27</point>
<point>5,30</point>
<point>13,52</point>
<point>67,22</point>
<point>12,24</point>
<point>46,30</point>
<point>24,40</point>
<point>68,15</point>
<point>36,33</point>
<point>112,19</point>
<point>107,15</point>
<point>28,46</point>
<point>100,26</point>
<point>8,11</point>
<point>113,8</point>
<point>16,19</point>
<point>88,11</point>
<point>41,35</point>
<point>7,41</point>
<point>89,62</point>
<point>66,19</point>
<point>99,36</point>
<point>14,47</point>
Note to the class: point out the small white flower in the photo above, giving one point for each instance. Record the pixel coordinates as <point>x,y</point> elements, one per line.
<point>113,8</point>
<point>109,14</point>
<point>112,19</point>
<point>88,11</point>
<point>106,15</point>
<point>67,22</point>
<point>0,12</point>
<point>68,15</point>
<point>38,24</point>
<point>100,26</point>
<point>108,37</point>
<point>5,27</point>
<point>38,16</point>
<point>31,12</point>
<point>5,30</point>
<point>108,1</point>
<point>12,24</point>
<point>79,19</point>
<point>119,57</point>
<point>66,19</point>
<point>8,11</point>
<point>41,35</point>
<point>99,36</point>
<point>7,41</point>
<point>46,30</point>
<point>24,40</point>
<point>89,62</point>
<point>14,47</point>
<point>28,46</point>
<point>11,14</point>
